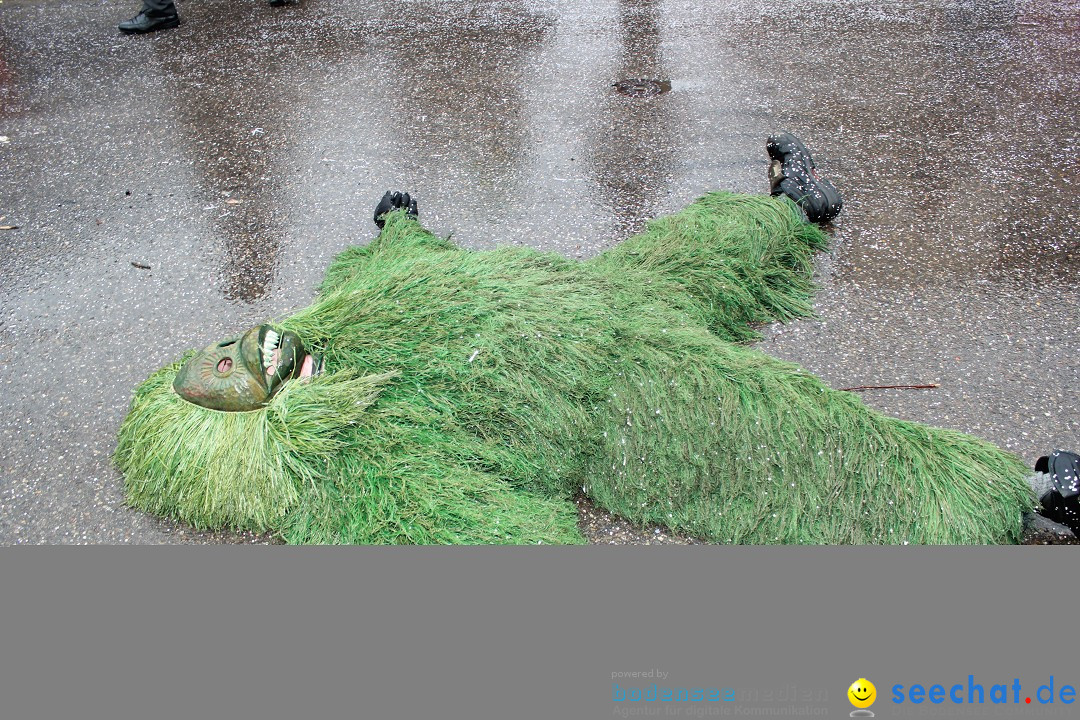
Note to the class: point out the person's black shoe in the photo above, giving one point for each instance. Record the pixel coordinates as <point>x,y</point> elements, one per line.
<point>149,21</point>
<point>792,173</point>
<point>1059,496</point>
<point>276,3</point>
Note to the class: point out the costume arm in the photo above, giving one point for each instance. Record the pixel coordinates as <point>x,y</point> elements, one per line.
<point>398,218</point>
<point>423,498</point>
<point>400,231</point>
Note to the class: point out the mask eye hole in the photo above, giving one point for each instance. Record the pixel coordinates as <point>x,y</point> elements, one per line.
<point>224,366</point>
<point>226,343</point>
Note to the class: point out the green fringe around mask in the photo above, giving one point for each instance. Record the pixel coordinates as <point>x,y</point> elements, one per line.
<point>469,396</point>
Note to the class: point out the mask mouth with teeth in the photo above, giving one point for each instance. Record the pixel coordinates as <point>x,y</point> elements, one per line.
<point>243,372</point>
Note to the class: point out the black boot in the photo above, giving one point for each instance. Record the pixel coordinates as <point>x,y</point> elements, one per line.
<point>792,173</point>
<point>1059,493</point>
<point>150,20</point>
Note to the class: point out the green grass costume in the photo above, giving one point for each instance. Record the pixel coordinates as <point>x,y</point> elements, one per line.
<point>469,395</point>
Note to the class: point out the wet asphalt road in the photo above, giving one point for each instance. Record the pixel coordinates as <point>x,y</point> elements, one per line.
<point>234,156</point>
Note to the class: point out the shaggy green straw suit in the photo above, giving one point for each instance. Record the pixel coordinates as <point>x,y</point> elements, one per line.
<point>469,395</point>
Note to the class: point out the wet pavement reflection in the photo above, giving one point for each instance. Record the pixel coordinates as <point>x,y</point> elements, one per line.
<point>630,151</point>
<point>169,189</point>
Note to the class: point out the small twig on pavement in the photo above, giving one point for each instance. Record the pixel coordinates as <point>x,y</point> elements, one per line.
<point>860,388</point>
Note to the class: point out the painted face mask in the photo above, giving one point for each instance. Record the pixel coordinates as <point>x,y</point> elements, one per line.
<point>243,372</point>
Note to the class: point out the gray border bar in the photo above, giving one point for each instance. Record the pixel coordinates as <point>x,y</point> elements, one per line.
<point>522,633</point>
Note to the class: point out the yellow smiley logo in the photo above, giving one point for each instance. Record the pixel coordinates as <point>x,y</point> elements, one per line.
<point>862,693</point>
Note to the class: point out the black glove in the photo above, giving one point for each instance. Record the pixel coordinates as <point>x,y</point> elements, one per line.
<point>394,201</point>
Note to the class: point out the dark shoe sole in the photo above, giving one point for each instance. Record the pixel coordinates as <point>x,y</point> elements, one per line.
<point>1062,503</point>
<point>164,24</point>
<point>792,173</point>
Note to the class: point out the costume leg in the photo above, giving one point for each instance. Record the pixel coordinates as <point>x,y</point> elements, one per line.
<point>724,442</point>
<point>744,259</point>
